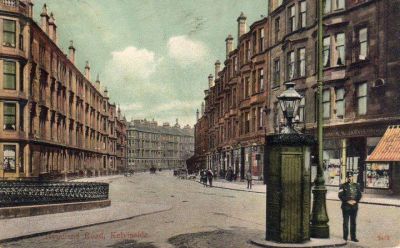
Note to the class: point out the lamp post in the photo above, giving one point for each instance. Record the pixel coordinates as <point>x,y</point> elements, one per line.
<point>289,101</point>
<point>319,217</point>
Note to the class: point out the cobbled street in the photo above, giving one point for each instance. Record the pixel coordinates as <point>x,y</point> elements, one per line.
<point>203,217</point>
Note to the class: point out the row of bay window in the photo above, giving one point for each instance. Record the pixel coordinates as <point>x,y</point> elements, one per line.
<point>334,54</point>
<point>334,103</point>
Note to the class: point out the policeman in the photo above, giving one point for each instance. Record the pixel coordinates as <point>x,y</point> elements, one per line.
<point>350,195</point>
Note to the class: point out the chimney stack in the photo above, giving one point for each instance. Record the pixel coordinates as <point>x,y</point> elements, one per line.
<point>71,49</point>
<point>97,85</point>
<point>30,8</point>
<point>52,28</point>
<point>87,71</point>
<point>241,25</point>
<point>44,17</point>
<point>210,81</point>
<point>197,115</point>
<point>229,45</point>
<point>202,108</point>
<point>217,68</point>
<point>105,93</point>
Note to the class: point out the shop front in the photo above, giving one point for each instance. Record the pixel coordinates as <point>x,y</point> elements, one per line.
<point>383,164</point>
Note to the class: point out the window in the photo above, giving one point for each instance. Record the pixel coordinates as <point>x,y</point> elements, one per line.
<point>261,41</point>
<point>260,118</point>
<point>333,5</point>
<point>290,65</point>
<point>327,51</point>
<point>340,49</point>
<point>21,38</point>
<point>339,4</point>
<point>291,18</point>
<point>254,121</point>
<point>10,116</point>
<point>8,33</point>
<point>327,6</point>
<point>246,122</point>
<point>9,155</point>
<point>277,72</point>
<point>261,79</point>
<point>246,87</point>
<point>276,30</point>
<point>248,51</point>
<point>362,99</point>
<point>253,85</point>
<point>326,103</point>
<point>301,55</point>
<point>303,14</point>
<point>339,102</point>
<point>363,43</point>
<point>9,72</point>
<point>301,109</point>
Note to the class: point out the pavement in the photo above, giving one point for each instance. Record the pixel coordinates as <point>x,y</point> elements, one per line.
<point>17,228</point>
<point>332,194</point>
<point>199,217</point>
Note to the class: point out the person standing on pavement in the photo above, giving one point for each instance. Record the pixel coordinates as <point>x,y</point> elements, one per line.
<point>350,195</point>
<point>249,179</point>
<point>210,176</point>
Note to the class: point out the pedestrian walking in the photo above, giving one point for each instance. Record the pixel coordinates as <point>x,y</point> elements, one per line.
<point>203,177</point>
<point>350,195</point>
<point>249,179</point>
<point>210,176</point>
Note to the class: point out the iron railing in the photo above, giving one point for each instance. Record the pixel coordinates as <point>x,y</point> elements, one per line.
<point>14,193</point>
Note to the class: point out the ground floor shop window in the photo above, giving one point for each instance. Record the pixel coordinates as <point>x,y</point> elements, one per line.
<point>377,175</point>
<point>9,157</point>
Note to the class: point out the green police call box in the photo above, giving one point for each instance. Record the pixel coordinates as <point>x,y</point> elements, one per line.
<point>288,187</point>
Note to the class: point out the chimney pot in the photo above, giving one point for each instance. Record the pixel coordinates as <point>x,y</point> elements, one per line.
<point>71,49</point>
<point>217,68</point>
<point>87,70</point>
<point>241,25</point>
<point>229,45</point>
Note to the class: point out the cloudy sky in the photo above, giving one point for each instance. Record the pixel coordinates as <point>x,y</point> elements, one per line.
<point>154,56</point>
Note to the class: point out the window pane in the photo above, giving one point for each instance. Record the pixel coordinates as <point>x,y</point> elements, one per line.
<point>340,38</point>
<point>362,90</point>
<point>326,47</point>
<point>363,34</point>
<point>340,108</point>
<point>362,105</point>
<point>339,93</point>
<point>326,95</point>
<point>9,39</point>
<point>327,6</point>
<point>364,49</point>
<point>9,67</point>
<point>9,157</point>
<point>340,4</point>
<point>327,109</point>
<point>9,26</point>
<point>303,6</point>
<point>9,82</point>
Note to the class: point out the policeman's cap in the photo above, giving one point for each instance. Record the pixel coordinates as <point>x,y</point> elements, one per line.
<point>349,174</point>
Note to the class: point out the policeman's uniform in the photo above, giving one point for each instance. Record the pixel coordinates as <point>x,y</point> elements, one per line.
<point>347,192</point>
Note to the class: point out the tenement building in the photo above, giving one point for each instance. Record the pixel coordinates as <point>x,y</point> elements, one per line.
<point>55,122</point>
<point>151,145</point>
<point>360,60</point>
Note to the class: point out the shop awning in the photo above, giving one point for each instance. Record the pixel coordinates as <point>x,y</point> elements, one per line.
<point>388,148</point>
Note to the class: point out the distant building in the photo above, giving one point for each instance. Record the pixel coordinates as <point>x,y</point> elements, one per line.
<point>151,145</point>
<point>55,122</point>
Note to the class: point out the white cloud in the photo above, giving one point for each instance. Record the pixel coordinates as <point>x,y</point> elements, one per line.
<point>185,50</point>
<point>131,106</point>
<point>133,63</point>
<point>177,105</point>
